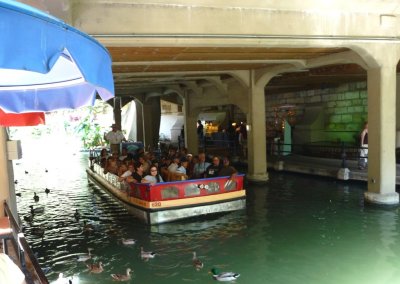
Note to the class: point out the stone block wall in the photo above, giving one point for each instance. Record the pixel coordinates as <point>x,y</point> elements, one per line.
<point>345,109</point>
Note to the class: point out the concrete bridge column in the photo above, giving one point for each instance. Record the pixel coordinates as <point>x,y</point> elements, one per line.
<point>192,141</point>
<point>397,111</point>
<point>139,121</point>
<point>382,131</point>
<point>256,133</point>
<point>117,111</point>
<point>151,121</point>
<point>191,115</point>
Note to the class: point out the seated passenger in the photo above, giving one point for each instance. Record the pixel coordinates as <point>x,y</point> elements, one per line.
<point>112,165</point>
<point>138,175</point>
<point>181,171</point>
<point>182,166</point>
<point>145,163</point>
<point>121,169</point>
<point>213,169</point>
<point>193,160</point>
<point>164,164</point>
<point>153,177</point>
<point>125,176</point>
<point>227,169</point>
<point>200,167</point>
<point>174,165</point>
<point>103,157</point>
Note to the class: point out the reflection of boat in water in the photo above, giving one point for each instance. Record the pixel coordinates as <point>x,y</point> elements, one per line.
<point>226,223</point>
<point>170,201</point>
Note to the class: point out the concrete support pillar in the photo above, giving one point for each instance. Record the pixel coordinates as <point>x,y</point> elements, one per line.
<point>256,134</point>
<point>7,190</point>
<point>139,122</point>
<point>192,140</point>
<point>191,116</point>
<point>397,111</point>
<point>381,138</point>
<point>151,121</point>
<point>117,111</point>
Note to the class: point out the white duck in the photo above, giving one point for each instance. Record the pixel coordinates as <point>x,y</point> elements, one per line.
<point>197,263</point>
<point>122,277</point>
<point>85,257</point>
<point>60,280</point>
<point>95,267</point>
<point>128,242</point>
<point>146,255</point>
<point>64,280</point>
<point>224,276</point>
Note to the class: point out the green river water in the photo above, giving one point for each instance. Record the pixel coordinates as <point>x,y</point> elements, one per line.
<point>296,229</point>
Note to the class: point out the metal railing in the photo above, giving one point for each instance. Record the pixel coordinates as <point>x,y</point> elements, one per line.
<point>34,274</point>
<point>342,151</point>
<point>333,150</point>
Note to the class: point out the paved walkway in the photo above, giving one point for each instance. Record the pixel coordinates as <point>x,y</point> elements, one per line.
<point>320,166</point>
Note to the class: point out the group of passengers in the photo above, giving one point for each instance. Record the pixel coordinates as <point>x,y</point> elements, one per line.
<point>144,167</point>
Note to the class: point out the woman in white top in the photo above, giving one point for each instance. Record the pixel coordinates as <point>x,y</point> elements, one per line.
<point>153,177</point>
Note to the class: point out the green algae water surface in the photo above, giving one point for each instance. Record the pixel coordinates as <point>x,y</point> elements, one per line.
<point>296,229</point>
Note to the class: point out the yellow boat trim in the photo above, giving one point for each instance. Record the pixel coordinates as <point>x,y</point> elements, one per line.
<point>187,201</point>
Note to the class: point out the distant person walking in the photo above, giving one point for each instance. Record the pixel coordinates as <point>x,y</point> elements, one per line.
<point>114,137</point>
<point>200,131</point>
<point>363,162</point>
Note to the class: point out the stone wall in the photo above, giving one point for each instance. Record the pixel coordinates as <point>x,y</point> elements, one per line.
<point>345,109</point>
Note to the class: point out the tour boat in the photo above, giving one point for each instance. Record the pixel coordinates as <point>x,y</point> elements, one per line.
<point>170,201</point>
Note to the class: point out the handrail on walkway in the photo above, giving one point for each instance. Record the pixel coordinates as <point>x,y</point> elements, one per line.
<point>25,252</point>
<point>339,151</point>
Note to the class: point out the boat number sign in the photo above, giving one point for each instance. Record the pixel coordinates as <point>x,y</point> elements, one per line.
<point>156,204</point>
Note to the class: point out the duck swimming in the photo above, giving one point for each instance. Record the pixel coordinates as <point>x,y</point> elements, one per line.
<point>85,257</point>
<point>77,215</point>
<point>35,197</point>
<point>95,267</point>
<point>224,276</point>
<point>87,228</point>
<point>146,255</point>
<point>29,218</point>
<point>47,191</point>
<point>122,277</point>
<point>36,210</point>
<point>38,231</point>
<point>197,263</point>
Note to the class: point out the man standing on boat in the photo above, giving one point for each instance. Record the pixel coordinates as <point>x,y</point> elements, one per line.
<point>114,137</point>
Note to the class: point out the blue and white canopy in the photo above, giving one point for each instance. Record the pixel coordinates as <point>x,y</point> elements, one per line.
<point>46,64</point>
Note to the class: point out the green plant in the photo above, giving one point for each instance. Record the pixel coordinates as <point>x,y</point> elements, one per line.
<point>91,133</point>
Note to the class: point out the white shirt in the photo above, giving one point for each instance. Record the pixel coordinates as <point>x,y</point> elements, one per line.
<point>172,167</point>
<point>152,179</point>
<point>126,174</point>
<point>200,168</point>
<point>115,137</point>
<point>181,170</point>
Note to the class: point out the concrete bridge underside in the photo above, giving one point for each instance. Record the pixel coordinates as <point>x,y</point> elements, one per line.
<point>206,53</point>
